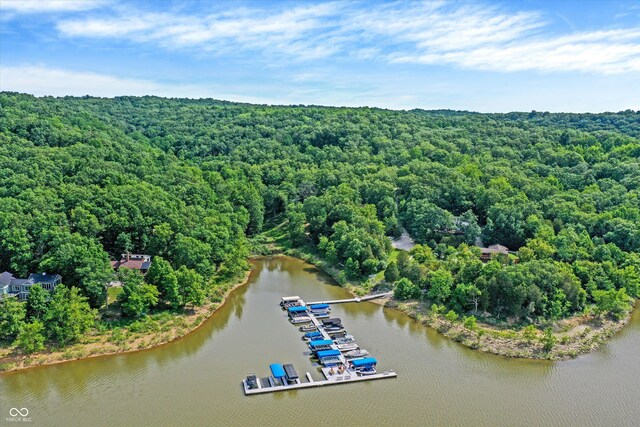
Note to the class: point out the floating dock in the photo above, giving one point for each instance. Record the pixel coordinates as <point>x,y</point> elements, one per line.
<point>356,299</point>
<point>347,373</point>
<point>347,377</point>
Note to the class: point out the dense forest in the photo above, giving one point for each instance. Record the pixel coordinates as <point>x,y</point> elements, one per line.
<point>192,182</point>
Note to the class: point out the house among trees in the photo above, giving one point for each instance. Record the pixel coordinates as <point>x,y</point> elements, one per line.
<point>12,286</point>
<point>5,284</point>
<point>487,253</point>
<point>133,261</point>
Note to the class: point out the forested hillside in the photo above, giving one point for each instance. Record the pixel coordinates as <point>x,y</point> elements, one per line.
<point>84,179</point>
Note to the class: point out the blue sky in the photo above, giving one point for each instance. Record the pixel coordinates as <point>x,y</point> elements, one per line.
<point>482,56</point>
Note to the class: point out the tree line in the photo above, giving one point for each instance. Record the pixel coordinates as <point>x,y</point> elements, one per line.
<point>191,181</point>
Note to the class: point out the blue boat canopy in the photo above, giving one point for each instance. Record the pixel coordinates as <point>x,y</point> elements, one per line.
<point>319,306</point>
<point>319,343</point>
<point>277,370</point>
<point>328,353</point>
<point>361,363</point>
<point>313,334</point>
<point>297,309</point>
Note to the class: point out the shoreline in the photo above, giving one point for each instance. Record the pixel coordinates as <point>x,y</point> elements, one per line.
<point>24,362</point>
<point>586,334</point>
<point>486,338</point>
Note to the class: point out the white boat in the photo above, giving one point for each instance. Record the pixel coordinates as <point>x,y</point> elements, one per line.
<point>286,300</point>
<point>300,319</point>
<point>353,354</point>
<point>347,347</point>
<point>347,339</point>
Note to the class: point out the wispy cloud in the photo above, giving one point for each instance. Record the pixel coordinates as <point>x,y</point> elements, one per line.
<point>463,35</point>
<point>47,6</point>
<point>304,31</point>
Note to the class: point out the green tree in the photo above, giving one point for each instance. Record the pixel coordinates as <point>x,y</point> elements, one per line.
<point>466,295</point>
<point>471,323</point>
<point>391,274</point>
<point>468,223</point>
<point>137,296</point>
<point>192,253</point>
<point>31,338</point>
<point>548,340</point>
<point>405,289</point>
<point>352,268</point>
<point>163,277</point>
<point>12,316</point>
<point>68,315</point>
<point>440,283</point>
<point>614,302</point>
<point>451,316</point>
<point>123,243</point>
<point>296,221</point>
<point>37,303</point>
<point>191,286</point>
<point>83,263</point>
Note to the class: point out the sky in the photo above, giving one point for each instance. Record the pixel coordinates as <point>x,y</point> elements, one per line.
<point>487,56</point>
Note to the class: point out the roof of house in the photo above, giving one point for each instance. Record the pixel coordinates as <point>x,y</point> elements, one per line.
<point>495,249</point>
<point>18,282</point>
<point>45,278</point>
<point>134,261</point>
<point>6,278</point>
<point>136,264</point>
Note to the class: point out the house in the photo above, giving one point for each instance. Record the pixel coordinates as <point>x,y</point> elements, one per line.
<point>21,287</point>
<point>12,286</point>
<point>487,253</point>
<point>5,284</point>
<point>47,281</point>
<point>138,262</point>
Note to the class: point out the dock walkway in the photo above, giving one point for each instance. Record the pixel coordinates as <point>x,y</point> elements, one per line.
<point>356,299</point>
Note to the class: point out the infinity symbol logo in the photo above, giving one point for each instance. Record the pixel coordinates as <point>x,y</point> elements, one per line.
<point>14,412</point>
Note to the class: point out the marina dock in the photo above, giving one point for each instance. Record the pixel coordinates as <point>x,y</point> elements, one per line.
<point>356,299</point>
<point>338,364</point>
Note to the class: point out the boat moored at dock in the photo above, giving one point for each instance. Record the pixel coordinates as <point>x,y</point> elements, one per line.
<point>347,347</point>
<point>310,336</point>
<point>298,314</point>
<point>356,354</point>
<point>290,301</point>
<point>330,357</point>
<point>365,366</point>
<point>291,374</point>
<point>320,345</point>
<point>277,373</point>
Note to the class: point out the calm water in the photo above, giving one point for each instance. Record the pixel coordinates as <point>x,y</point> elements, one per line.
<point>196,380</point>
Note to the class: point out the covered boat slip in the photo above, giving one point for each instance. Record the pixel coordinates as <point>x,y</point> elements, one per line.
<point>316,335</point>
<point>320,345</point>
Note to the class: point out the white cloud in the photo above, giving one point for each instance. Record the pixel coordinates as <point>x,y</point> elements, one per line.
<point>460,34</point>
<point>45,6</point>
<point>299,31</point>
<point>463,35</point>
